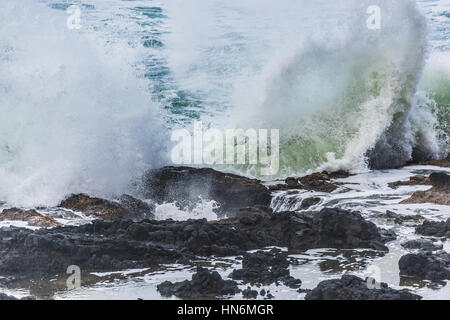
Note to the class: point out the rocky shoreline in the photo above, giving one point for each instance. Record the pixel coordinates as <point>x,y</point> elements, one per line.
<point>121,244</point>
<point>125,235</point>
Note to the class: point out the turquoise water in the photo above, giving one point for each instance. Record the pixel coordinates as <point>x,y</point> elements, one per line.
<point>104,98</point>
<point>89,110</point>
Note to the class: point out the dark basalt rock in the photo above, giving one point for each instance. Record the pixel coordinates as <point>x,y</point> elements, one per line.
<point>387,235</point>
<point>329,228</point>
<point>421,244</point>
<point>336,228</point>
<point>126,208</point>
<point>251,216</point>
<point>250,294</point>
<point>434,229</point>
<point>292,182</point>
<point>440,180</point>
<point>353,288</point>
<point>138,209</point>
<point>204,284</point>
<point>309,202</point>
<point>426,265</point>
<point>118,245</point>
<point>266,268</point>
<point>121,244</point>
<point>178,184</point>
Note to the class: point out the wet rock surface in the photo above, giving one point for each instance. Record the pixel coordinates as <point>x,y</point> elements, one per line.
<point>434,195</point>
<point>426,266</point>
<point>204,284</point>
<point>309,202</point>
<point>32,217</point>
<point>440,180</point>
<point>122,244</point>
<point>354,288</point>
<point>137,209</point>
<point>329,228</point>
<point>440,163</point>
<point>434,228</point>
<point>401,218</point>
<point>322,181</point>
<point>422,244</point>
<point>266,267</point>
<point>126,208</point>
<point>178,184</point>
<point>318,181</point>
<point>413,181</point>
<point>249,293</point>
<point>438,194</point>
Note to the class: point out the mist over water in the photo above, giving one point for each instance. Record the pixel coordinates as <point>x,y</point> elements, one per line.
<point>343,96</point>
<point>88,110</point>
<point>75,117</point>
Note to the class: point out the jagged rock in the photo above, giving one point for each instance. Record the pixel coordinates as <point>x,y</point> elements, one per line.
<point>440,180</point>
<point>283,187</point>
<point>204,284</point>
<point>318,181</point>
<point>434,228</point>
<point>433,195</point>
<point>123,244</point>
<point>439,163</point>
<point>353,288</point>
<point>32,217</point>
<point>304,290</point>
<point>138,209</point>
<point>336,228</point>
<point>309,202</point>
<point>249,293</point>
<point>251,216</point>
<point>322,181</point>
<point>387,235</point>
<point>413,181</point>
<point>421,244</point>
<point>175,184</point>
<point>401,218</point>
<point>128,208</point>
<point>266,268</point>
<point>426,265</point>
<point>438,194</point>
<point>292,182</point>
<point>329,228</point>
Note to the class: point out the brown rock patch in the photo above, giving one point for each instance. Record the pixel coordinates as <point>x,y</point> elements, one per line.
<point>32,217</point>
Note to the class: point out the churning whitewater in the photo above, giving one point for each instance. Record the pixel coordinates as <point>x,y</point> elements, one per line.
<point>94,206</point>
<point>81,109</point>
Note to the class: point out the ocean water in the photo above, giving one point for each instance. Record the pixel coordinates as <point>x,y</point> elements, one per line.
<point>91,109</point>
